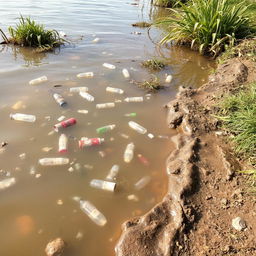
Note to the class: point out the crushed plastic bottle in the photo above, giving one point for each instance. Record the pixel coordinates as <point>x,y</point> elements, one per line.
<point>63,143</point>
<point>106,128</point>
<point>109,66</point>
<point>138,128</point>
<point>142,182</point>
<point>143,159</point>
<point>85,75</point>
<point>113,172</point>
<point>65,124</point>
<point>114,90</point>
<point>59,99</point>
<point>133,114</point>
<point>126,73</point>
<point>79,89</point>
<point>86,96</point>
<point>104,185</point>
<point>129,152</point>
<point>23,117</point>
<point>6,183</point>
<point>105,105</point>
<point>38,80</point>
<point>151,136</point>
<point>168,79</point>
<point>86,142</point>
<point>134,99</point>
<point>53,161</point>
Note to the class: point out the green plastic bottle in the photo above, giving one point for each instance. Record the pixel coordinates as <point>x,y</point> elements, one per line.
<point>106,128</point>
<point>133,114</point>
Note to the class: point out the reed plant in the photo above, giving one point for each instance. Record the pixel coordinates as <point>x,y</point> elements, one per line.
<point>167,3</point>
<point>208,25</point>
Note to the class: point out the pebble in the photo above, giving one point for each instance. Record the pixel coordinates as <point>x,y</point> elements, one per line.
<point>55,247</point>
<point>238,224</point>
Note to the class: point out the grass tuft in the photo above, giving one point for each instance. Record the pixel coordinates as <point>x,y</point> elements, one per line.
<point>167,3</point>
<point>151,85</point>
<point>153,64</point>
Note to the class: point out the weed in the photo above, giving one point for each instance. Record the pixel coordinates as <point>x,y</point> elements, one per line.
<point>153,64</point>
<point>167,3</point>
<point>151,85</point>
<point>142,24</point>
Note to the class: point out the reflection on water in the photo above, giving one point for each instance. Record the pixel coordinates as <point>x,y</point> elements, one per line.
<point>39,207</point>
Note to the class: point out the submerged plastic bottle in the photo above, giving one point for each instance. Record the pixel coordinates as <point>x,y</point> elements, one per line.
<point>114,90</point>
<point>53,161</point>
<point>138,128</point>
<point>133,114</point>
<point>59,99</point>
<point>86,75</point>
<point>125,73</point>
<point>64,124</point>
<point>23,117</point>
<point>79,89</point>
<point>134,99</point>
<point>105,105</point>
<point>168,79</point>
<point>86,96</point>
<point>109,66</point>
<point>6,183</point>
<point>104,185</point>
<point>129,152</point>
<point>113,172</point>
<point>38,80</point>
<point>86,142</point>
<point>142,182</point>
<point>106,128</point>
<point>63,143</point>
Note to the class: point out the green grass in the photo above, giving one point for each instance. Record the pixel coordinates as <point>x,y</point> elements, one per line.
<point>153,64</point>
<point>167,3</point>
<point>209,26</point>
<point>151,85</point>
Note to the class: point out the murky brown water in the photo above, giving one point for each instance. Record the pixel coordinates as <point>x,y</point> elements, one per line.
<point>29,213</point>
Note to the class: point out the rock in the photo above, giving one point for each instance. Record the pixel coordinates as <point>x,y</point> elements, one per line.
<point>238,224</point>
<point>55,247</point>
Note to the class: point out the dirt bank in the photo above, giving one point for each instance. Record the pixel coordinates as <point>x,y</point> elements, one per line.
<point>205,190</point>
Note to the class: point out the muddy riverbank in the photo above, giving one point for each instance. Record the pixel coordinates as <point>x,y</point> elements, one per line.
<point>205,190</point>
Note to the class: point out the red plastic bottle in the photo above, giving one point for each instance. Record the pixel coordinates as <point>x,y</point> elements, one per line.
<point>64,124</point>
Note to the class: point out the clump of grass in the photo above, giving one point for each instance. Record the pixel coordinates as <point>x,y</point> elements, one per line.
<point>153,64</point>
<point>252,179</point>
<point>208,26</point>
<point>167,3</point>
<point>142,24</point>
<point>238,113</point>
<point>151,85</point>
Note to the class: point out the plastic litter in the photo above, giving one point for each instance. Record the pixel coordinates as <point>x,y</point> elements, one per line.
<point>22,156</point>
<point>63,143</point>
<point>125,136</point>
<point>59,99</point>
<point>142,182</point>
<point>129,152</point>
<point>18,105</point>
<point>109,66</point>
<point>134,99</point>
<point>105,105</point>
<point>138,128</point>
<point>113,173</point>
<point>86,142</point>
<point>88,166</point>
<point>104,185</point>
<point>133,114</point>
<point>143,159</point>
<point>6,183</point>
<point>61,118</point>
<point>53,161</point>
<point>23,117</point>
<point>126,73</point>
<point>106,128</point>
<point>114,90</point>
<point>38,80</point>
<point>133,197</point>
<point>82,111</point>
<point>151,136</point>
<point>86,96</point>
<point>85,75</point>
<point>78,89</point>
<point>65,124</point>
<point>168,79</point>
<point>96,40</point>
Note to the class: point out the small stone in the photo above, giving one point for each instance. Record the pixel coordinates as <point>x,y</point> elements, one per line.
<point>55,247</point>
<point>238,224</point>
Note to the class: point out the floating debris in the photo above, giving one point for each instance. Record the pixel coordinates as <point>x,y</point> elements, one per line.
<point>38,80</point>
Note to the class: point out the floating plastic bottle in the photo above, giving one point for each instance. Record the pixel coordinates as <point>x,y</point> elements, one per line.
<point>86,96</point>
<point>134,99</point>
<point>143,159</point>
<point>53,161</point>
<point>23,117</point>
<point>126,73</point>
<point>79,89</point>
<point>106,128</point>
<point>59,99</point>
<point>142,182</point>
<point>104,185</point>
<point>114,90</point>
<point>6,183</point>
<point>133,114</point>
<point>105,105</point>
<point>138,128</point>
<point>92,212</point>
<point>85,75</point>
<point>168,79</point>
<point>82,111</point>
<point>96,40</point>
<point>65,124</point>
<point>129,152</point>
<point>113,172</point>
<point>38,80</point>
<point>109,66</point>
<point>63,143</point>
<point>86,142</point>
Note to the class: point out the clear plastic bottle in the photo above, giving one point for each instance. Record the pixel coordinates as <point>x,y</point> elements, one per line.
<point>133,114</point>
<point>86,142</point>
<point>113,172</point>
<point>129,152</point>
<point>142,182</point>
<point>85,75</point>
<point>106,128</point>
<point>6,183</point>
<point>38,80</point>
<point>23,117</point>
<point>64,124</point>
<point>86,96</point>
<point>79,89</point>
<point>82,111</point>
<point>104,185</point>
<point>138,128</point>
<point>59,99</point>
<point>168,79</point>
<point>53,161</point>
<point>63,143</point>
<point>134,99</point>
<point>126,73</point>
<point>105,105</point>
<point>114,90</point>
<point>109,66</point>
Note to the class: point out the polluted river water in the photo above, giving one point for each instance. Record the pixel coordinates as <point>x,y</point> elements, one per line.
<point>41,202</point>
